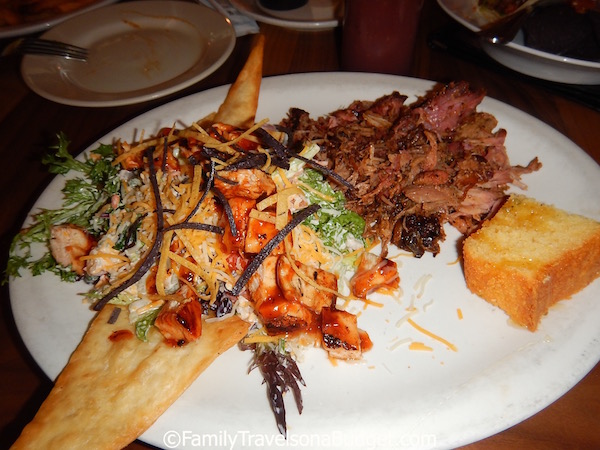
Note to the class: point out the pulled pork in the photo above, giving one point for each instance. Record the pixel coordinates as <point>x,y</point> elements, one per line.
<point>417,166</point>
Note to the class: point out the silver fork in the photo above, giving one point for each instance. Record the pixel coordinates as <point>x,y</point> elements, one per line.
<point>39,46</point>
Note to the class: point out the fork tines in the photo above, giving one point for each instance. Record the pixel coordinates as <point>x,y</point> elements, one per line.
<point>49,47</point>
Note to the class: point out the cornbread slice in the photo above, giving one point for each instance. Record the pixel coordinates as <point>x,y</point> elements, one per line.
<point>529,256</point>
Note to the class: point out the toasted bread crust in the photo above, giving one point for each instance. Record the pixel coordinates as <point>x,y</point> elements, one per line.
<point>526,289</point>
<point>112,390</point>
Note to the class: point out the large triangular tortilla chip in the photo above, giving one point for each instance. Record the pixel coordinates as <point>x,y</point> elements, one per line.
<point>241,103</point>
<point>112,390</point>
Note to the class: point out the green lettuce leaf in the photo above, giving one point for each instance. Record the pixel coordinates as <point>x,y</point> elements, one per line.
<point>337,226</point>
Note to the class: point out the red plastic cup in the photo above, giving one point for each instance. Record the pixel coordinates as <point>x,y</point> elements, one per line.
<point>379,35</point>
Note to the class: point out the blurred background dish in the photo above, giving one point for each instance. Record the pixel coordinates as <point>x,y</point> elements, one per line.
<point>314,15</point>
<point>564,29</point>
<point>518,56</point>
<point>281,5</point>
<point>139,51</point>
<point>18,18</point>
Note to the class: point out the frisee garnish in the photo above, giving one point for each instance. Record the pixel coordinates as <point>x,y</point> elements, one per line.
<point>82,198</point>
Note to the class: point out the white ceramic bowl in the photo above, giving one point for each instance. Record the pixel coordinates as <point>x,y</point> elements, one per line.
<point>517,56</point>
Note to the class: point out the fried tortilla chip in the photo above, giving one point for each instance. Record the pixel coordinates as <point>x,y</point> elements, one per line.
<point>115,386</point>
<point>239,107</point>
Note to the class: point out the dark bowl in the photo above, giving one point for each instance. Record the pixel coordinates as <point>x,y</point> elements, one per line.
<point>282,5</point>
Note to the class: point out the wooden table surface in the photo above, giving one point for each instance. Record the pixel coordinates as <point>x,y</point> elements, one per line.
<point>29,123</point>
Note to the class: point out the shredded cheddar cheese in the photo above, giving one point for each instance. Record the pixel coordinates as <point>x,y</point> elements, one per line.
<point>432,335</point>
<point>419,346</point>
<point>405,318</point>
<point>141,147</point>
<point>308,247</point>
<point>399,342</point>
<point>247,134</point>
<point>368,302</point>
<point>267,165</point>
<point>456,261</point>
<point>161,272</point>
<point>313,191</point>
<point>281,180</point>
<point>150,306</point>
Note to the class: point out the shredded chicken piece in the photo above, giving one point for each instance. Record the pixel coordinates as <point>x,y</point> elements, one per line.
<point>68,243</point>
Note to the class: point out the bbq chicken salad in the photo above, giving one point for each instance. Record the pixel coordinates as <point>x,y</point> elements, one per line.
<point>201,223</point>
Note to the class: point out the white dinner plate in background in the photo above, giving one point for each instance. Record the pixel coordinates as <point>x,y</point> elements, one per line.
<point>139,51</point>
<point>34,25</point>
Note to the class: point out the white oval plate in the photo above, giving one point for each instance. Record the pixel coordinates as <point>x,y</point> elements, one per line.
<point>315,15</point>
<point>521,58</point>
<point>41,25</point>
<point>139,51</point>
<point>397,398</point>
